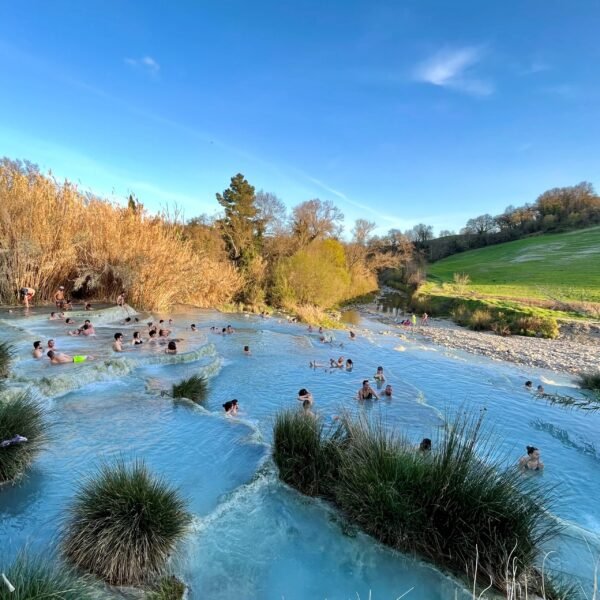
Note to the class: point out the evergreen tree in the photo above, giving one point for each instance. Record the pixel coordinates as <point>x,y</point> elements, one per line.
<point>239,225</point>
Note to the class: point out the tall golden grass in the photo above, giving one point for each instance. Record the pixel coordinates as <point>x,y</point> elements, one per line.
<point>51,234</point>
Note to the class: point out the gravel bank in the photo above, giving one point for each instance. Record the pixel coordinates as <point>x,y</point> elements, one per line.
<point>567,355</point>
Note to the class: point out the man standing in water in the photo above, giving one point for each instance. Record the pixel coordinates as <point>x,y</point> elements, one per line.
<point>59,297</point>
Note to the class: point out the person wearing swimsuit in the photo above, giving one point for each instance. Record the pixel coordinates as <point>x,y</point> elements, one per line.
<point>366,392</point>
<point>531,461</point>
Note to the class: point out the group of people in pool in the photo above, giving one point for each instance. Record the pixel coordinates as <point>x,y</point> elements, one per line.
<point>223,330</point>
<point>57,358</point>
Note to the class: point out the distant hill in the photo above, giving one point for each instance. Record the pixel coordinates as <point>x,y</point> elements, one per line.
<point>564,266</point>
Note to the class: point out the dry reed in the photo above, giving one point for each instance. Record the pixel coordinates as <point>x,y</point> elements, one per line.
<point>52,234</point>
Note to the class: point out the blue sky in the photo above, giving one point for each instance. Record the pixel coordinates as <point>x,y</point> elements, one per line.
<point>399,112</point>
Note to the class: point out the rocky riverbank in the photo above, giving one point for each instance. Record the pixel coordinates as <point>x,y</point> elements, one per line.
<point>574,352</point>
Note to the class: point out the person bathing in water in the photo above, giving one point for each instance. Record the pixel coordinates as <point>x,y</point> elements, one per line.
<point>58,358</point>
<point>531,461</point>
<point>27,295</point>
<point>336,364</point>
<point>304,395</point>
<point>137,339</point>
<point>231,408</point>
<point>117,345</point>
<point>171,348</point>
<point>379,376</point>
<point>38,351</point>
<point>306,409</point>
<point>247,350</point>
<point>388,391</point>
<point>366,392</point>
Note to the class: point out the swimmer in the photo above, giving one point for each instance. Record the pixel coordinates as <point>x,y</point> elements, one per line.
<point>193,327</point>
<point>126,321</point>
<point>58,358</point>
<point>320,330</point>
<point>171,348</point>
<point>388,391</point>
<point>88,306</point>
<point>230,329</point>
<point>137,339</point>
<point>59,297</point>
<point>540,389</point>
<point>53,316</point>
<point>121,298</point>
<point>336,364</point>
<point>349,365</point>
<point>366,392</point>
<point>306,411</point>
<point>425,445</point>
<point>163,333</point>
<point>117,345</point>
<point>231,407</point>
<point>352,335</point>
<point>529,384</point>
<point>304,395</point>
<point>379,376</point>
<point>531,461</point>
<point>69,321</point>
<point>247,350</point>
<point>38,351</point>
<point>309,329</point>
<point>152,336</point>
<point>51,345</point>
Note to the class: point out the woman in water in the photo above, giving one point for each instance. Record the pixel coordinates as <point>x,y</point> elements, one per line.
<point>137,339</point>
<point>379,376</point>
<point>349,365</point>
<point>171,348</point>
<point>304,394</point>
<point>531,461</point>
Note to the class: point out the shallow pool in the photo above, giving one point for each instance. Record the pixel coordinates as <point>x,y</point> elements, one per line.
<point>251,536</point>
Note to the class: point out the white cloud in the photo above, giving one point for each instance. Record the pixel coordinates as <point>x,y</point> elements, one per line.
<point>450,68</point>
<point>147,63</point>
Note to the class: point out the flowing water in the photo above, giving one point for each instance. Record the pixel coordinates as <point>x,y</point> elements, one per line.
<point>252,537</point>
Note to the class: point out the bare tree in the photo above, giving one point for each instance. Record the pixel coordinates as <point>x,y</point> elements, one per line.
<point>316,219</point>
<point>272,213</point>
<point>481,225</point>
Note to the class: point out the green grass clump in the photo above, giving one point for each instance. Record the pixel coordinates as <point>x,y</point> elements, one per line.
<point>305,455</point>
<point>444,506</point>
<point>6,356</point>
<point>481,320</point>
<point>22,415</point>
<point>33,578</point>
<point>124,524</point>
<point>167,588</point>
<point>590,381</point>
<point>193,388</point>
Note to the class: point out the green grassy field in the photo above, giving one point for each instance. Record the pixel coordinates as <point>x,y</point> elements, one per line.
<point>564,267</point>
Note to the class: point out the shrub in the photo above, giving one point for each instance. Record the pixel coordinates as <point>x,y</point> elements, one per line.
<point>546,327</point>
<point>590,381</point>
<point>35,578</point>
<point>461,282</point>
<point>444,507</point>
<point>461,314</point>
<point>22,415</point>
<point>123,524</point>
<point>195,388</point>
<point>480,320</point>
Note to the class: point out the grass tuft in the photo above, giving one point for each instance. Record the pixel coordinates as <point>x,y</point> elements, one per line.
<point>124,524</point>
<point>444,506</point>
<point>590,381</point>
<point>35,578</point>
<point>193,388</point>
<point>167,588</point>
<point>22,415</point>
<point>6,355</point>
